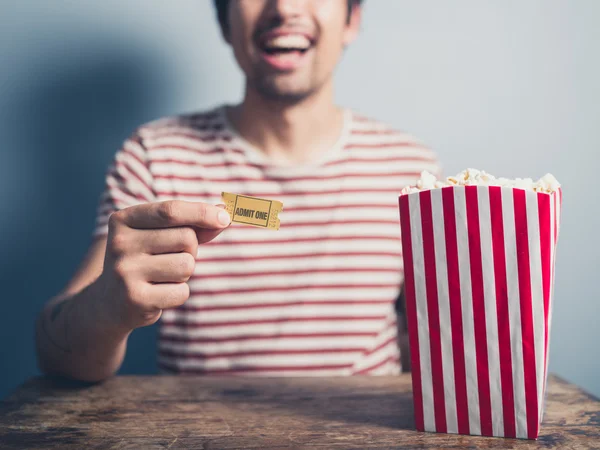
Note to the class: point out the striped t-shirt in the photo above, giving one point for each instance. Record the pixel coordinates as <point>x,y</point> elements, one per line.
<point>314,298</point>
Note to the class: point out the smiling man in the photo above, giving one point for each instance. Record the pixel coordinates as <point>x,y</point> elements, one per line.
<point>315,298</point>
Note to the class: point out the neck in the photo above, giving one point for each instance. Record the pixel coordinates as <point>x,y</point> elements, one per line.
<point>285,132</point>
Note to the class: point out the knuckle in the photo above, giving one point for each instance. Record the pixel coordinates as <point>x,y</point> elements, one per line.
<point>119,243</point>
<point>136,293</point>
<point>185,292</point>
<point>175,296</point>
<point>168,210</point>
<point>115,219</point>
<point>122,268</point>
<point>202,212</point>
<point>180,294</point>
<point>189,239</point>
<point>188,264</point>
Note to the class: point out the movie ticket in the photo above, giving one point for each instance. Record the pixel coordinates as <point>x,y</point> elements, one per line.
<point>258,212</point>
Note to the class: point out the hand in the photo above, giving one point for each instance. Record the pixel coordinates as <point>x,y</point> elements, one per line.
<point>151,254</point>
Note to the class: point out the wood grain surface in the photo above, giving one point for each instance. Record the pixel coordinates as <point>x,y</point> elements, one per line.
<point>222,413</point>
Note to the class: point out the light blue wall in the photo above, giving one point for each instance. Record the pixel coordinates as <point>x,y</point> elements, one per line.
<point>511,87</point>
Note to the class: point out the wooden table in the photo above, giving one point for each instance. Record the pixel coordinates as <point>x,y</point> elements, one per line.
<point>221,413</point>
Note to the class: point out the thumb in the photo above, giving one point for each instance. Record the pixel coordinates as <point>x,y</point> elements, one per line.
<point>207,235</point>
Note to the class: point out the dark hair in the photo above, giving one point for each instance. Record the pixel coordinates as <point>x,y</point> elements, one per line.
<point>222,6</point>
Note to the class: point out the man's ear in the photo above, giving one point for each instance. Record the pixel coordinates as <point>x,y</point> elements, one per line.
<point>353,26</point>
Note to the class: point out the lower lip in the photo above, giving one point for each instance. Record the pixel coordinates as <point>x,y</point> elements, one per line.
<point>285,62</point>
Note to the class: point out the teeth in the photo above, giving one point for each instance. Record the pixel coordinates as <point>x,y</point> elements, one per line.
<point>283,57</point>
<point>295,41</point>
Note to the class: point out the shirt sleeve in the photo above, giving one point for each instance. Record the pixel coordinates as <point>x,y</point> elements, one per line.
<point>128,183</point>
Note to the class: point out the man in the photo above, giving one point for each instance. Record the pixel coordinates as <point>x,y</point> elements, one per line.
<point>314,298</point>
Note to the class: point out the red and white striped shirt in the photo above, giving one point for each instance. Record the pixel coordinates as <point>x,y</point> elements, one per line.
<point>314,298</point>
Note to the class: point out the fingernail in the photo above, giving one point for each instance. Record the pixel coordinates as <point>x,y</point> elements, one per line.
<point>224,218</point>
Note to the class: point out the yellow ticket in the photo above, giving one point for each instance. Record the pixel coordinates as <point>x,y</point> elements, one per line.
<point>258,212</point>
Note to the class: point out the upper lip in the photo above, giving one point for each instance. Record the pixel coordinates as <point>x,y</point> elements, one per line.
<point>264,37</point>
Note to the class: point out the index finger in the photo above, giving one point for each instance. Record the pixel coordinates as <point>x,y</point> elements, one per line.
<point>176,213</point>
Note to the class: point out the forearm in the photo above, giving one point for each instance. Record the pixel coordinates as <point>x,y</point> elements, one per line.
<point>79,337</point>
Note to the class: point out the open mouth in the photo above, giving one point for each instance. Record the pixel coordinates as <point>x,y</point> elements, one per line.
<point>284,51</point>
<point>286,44</point>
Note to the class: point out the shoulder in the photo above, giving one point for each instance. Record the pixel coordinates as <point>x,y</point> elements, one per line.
<point>193,124</point>
<point>376,137</point>
<point>366,129</point>
<point>190,137</point>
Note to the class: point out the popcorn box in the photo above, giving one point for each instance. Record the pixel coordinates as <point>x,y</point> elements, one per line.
<point>479,275</point>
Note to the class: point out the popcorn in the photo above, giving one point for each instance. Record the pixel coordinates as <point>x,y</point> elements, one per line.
<point>474,177</point>
<point>479,258</point>
<point>426,182</point>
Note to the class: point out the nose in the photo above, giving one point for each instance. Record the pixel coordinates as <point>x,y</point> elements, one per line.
<point>285,9</point>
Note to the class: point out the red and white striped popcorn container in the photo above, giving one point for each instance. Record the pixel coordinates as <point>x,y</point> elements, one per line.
<point>479,275</point>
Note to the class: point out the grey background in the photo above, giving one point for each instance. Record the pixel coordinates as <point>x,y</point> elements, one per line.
<point>511,87</point>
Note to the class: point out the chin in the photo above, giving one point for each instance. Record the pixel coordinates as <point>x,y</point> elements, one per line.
<point>284,92</point>
<point>285,96</point>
